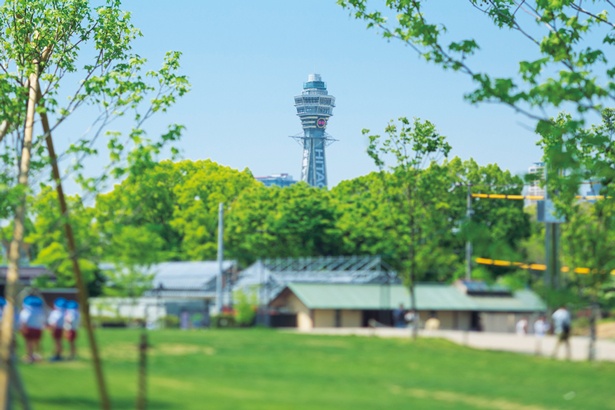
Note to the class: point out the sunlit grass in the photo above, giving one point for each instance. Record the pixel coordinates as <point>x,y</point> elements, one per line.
<point>265,369</point>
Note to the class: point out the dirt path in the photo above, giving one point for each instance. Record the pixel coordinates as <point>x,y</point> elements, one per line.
<point>605,349</point>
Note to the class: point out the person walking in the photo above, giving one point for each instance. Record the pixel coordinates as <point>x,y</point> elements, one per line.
<point>521,327</point>
<point>56,326</point>
<point>31,322</point>
<point>71,324</point>
<point>541,327</point>
<point>562,326</point>
<point>398,316</point>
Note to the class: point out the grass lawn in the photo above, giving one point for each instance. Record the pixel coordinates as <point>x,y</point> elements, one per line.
<point>265,369</point>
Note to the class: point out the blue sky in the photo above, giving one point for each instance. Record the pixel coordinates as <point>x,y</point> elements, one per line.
<point>246,60</point>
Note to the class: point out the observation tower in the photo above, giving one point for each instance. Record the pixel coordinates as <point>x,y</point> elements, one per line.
<point>314,107</point>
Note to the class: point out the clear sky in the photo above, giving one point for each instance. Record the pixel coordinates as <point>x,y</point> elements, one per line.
<point>247,60</point>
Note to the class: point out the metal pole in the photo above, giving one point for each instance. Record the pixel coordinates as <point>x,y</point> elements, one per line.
<point>552,245</point>
<point>220,257</point>
<point>141,403</point>
<point>468,241</point>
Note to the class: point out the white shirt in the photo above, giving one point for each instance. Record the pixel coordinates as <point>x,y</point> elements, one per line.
<point>560,317</point>
<point>540,327</point>
<point>71,319</point>
<point>56,318</point>
<point>33,318</point>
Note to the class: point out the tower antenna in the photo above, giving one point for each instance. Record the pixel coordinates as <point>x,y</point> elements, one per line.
<point>314,107</point>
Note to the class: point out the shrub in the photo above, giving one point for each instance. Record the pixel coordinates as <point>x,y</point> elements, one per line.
<point>245,308</point>
<point>223,320</point>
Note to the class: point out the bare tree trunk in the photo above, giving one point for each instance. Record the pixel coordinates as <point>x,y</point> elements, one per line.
<point>141,403</point>
<point>591,354</point>
<point>74,257</point>
<point>415,322</point>
<point>12,275</point>
<point>4,129</point>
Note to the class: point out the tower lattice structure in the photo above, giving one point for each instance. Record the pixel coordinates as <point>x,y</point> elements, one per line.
<point>314,107</point>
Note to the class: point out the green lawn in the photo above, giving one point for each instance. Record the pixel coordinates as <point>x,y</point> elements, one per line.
<point>265,369</point>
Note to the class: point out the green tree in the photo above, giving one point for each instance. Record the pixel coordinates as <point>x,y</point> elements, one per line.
<point>496,227</point>
<point>48,238</point>
<point>586,155</point>
<point>52,50</point>
<point>195,213</point>
<point>569,44</point>
<point>366,225</point>
<point>588,241</point>
<point>175,202</point>
<point>268,222</point>
<point>412,146</point>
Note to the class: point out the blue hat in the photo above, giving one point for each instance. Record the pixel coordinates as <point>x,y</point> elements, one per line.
<point>60,303</point>
<point>33,301</point>
<point>71,304</point>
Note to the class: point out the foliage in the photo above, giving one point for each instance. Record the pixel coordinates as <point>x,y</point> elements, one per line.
<point>48,238</point>
<point>174,204</point>
<point>245,308</point>
<point>294,221</point>
<point>170,212</point>
<point>412,146</point>
<point>127,280</point>
<point>575,156</point>
<point>496,228</point>
<point>569,44</point>
<point>50,39</point>
<point>56,58</point>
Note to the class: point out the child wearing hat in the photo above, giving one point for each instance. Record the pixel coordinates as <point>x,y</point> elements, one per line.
<point>71,324</point>
<point>56,325</point>
<point>2,304</point>
<point>31,322</point>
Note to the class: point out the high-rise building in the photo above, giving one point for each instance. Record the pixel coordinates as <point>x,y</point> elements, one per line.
<point>314,107</point>
<point>536,187</point>
<point>281,180</point>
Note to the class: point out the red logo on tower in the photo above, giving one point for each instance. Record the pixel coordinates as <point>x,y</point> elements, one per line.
<point>321,123</point>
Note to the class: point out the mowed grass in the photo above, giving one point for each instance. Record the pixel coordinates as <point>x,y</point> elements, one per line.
<point>266,369</point>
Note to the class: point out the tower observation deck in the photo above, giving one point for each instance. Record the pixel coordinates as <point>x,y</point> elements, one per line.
<point>314,107</point>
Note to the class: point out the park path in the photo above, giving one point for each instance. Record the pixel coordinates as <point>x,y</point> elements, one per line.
<point>605,349</point>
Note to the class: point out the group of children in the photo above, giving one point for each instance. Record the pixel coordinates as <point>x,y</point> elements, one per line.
<point>63,322</point>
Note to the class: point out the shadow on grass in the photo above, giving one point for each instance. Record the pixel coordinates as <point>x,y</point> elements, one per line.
<point>86,403</point>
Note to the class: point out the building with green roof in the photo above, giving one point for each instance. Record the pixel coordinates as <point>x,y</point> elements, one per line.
<point>461,306</point>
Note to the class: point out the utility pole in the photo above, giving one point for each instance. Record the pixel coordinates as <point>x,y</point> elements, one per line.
<point>552,235</point>
<point>468,240</point>
<point>220,257</point>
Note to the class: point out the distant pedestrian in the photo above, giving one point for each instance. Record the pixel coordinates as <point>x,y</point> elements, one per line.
<point>562,326</point>
<point>2,304</point>
<point>398,316</point>
<point>71,325</point>
<point>433,323</point>
<point>184,319</point>
<point>56,326</point>
<point>31,322</point>
<point>521,327</point>
<point>541,327</point>
<point>412,319</point>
